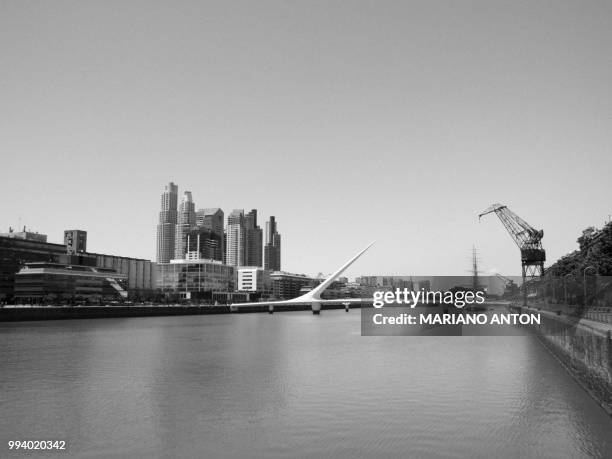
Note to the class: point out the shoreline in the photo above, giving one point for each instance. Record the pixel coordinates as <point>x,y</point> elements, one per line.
<point>37,313</point>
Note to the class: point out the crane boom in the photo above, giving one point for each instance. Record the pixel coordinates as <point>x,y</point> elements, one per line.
<point>524,235</point>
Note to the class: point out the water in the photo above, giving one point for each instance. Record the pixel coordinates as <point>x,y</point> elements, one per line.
<point>255,385</point>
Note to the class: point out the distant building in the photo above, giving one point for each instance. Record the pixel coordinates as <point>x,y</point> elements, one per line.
<point>186,219</point>
<point>207,243</point>
<point>75,241</point>
<point>253,240</point>
<point>166,228</point>
<point>272,247</point>
<point>213,219</point>
<point>254,279</point>
<point>236,239</point>
<point>25,235</point>
<point>288,285</point>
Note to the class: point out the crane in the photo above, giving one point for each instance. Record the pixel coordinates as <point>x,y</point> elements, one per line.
<point>528,240</point>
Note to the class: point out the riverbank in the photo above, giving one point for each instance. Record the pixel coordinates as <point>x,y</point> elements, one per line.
<point>583,347</point>
<point>28,313</point>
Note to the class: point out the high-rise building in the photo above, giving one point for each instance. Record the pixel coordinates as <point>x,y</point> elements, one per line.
<point>212,219</point>
<point>236,239</point>
<point>253,240</point>
<point>272,249</point>
<point>166,228</point>
<point>206,243</point>
<point>186,220</point>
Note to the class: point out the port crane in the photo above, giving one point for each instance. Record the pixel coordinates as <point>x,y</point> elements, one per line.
<point>527,238</point>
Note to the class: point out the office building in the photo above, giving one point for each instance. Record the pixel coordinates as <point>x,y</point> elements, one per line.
<point>58,283</point>
<point>254,279</point>
<point>194,278</point>
<point>253,240</point>
<point>206,243</point>
<point>213,219</point>
<point>288,285</point>
<point>186,220</point>
<point>236,239</point>
<point>166,228</point>
<point>17,252</point>
<point>272,248</point>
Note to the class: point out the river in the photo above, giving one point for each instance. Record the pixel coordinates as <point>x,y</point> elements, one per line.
<point>287,384</point>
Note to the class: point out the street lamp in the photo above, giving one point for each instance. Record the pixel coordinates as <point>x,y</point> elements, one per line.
<point>584,282</point>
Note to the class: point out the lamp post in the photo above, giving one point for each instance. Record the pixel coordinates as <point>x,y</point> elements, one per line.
<point>584,282</point>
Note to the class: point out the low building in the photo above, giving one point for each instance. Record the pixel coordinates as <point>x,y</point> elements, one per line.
<point>254,279</point>
<point>194,278</point>
<point>140,273</point>
<point>25,235</point>
<point>16,252</point>
<point>57,283</point>
<point>288,285</point>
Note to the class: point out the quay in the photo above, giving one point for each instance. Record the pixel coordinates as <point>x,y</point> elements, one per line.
<point>583,345</point>
<point>27,313</point>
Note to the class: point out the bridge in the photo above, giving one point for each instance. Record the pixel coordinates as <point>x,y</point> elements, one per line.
<point>313,297</point>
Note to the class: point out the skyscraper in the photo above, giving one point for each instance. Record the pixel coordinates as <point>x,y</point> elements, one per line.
<point>166,228</point>
<point>186,220</point>
<point>236,239</point>
<point>212,219</point>
<point>272,249</point>
<point>253,240</point>
<point>206,243</point>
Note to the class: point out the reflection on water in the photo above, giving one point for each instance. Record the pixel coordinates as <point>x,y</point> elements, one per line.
<point>256,385</point>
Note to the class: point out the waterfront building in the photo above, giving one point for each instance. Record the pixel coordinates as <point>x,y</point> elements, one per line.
<point>166,228</point>
<point>75,241</point>
<point>16,252</point>
<point>272,248</point>
<point>25,235</point>
<point>288,285</point>
<point>140,273</point>
<point>186,220</point>
<point>52,283</point>
<point>236,239</point>
<point>253,240</point>
<point>254,279</point>
<point>194,278</point>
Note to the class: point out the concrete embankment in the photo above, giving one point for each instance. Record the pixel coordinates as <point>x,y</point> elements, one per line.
<point>26,313</point>
<point>583,346</point>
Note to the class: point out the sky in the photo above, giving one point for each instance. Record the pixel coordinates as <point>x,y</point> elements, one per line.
<point>349,121</point>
